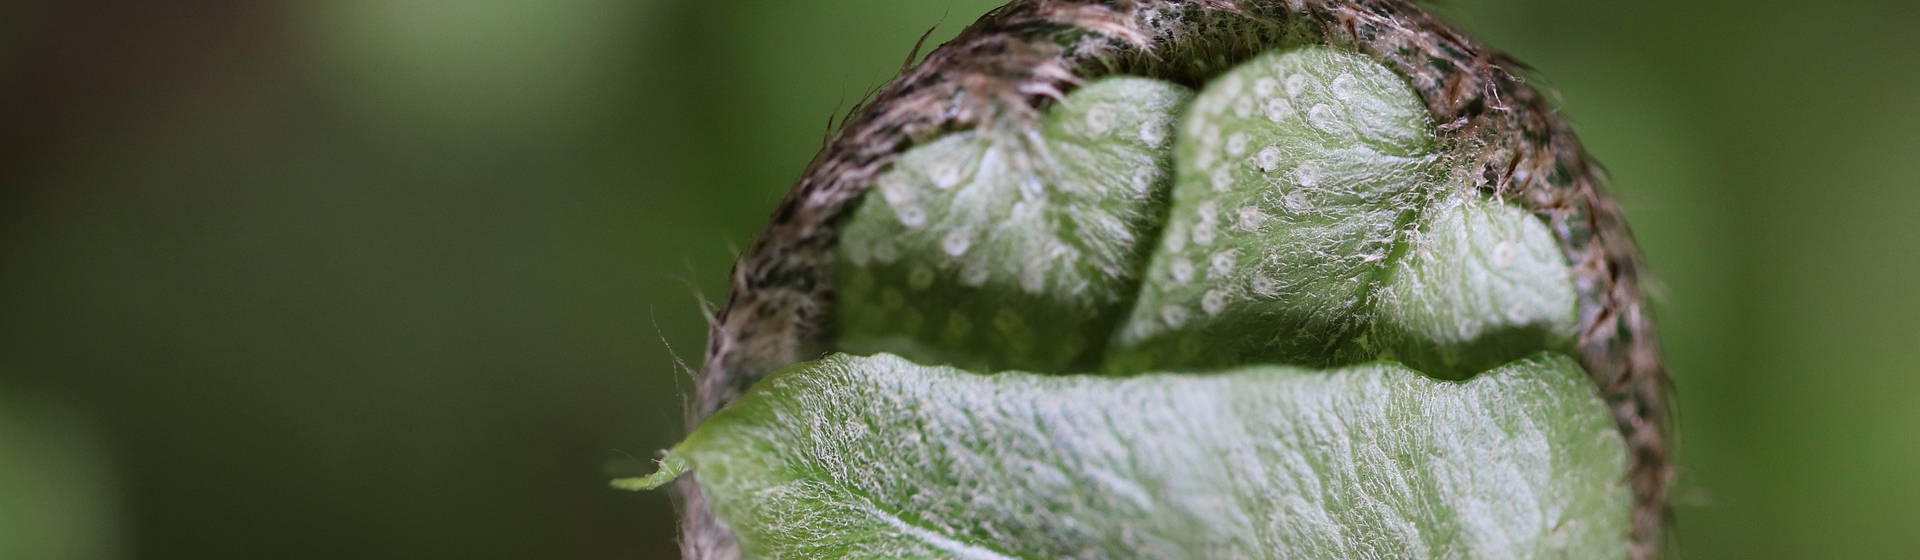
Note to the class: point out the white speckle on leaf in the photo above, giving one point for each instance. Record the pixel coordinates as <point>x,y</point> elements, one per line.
<point>1469,327</point>
<point>1099,120</point>
<point>1143,177</point>
<point>1278,109</point>
<point>1153,132</point>
<point>1204,160</point>
<point>1222,179</point>
<point>1296,203</point>
<point>1221,264</point>
<point>1205,217</point>
<point>1295,84</point>
<point>1517,313</point>
<point>1503,254</point>
<point>912,216</point>
<point>1243,107</point>
<point>1263,285</point>
<point>944,174</point>
<point>1249,218</point>
<point>1346,87</point>
<point>1182,270</point>
<point>1231,82</point>
<point>956,242</point>
<point>1207,106</point>
<point>1265,87</point>
<point>1237,144</point>
<point>894,189</point>
<point>1322,117</point>
<point>1268,159</point>
<point>1173,315</point>
<point>1307,175</point>
<point>1214,301</point>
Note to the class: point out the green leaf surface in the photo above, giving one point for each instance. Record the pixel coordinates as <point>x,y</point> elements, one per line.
<point>876,457</point>
<point>1004,248</point>
<point>1478,284</point>
<point>1314,221</point>
<point>1298,212</point>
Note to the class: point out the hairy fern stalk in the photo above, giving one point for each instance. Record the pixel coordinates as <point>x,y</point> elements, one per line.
<point>1187,279</point>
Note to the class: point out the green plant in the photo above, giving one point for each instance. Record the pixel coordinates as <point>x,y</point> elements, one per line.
<point>1342,297</point>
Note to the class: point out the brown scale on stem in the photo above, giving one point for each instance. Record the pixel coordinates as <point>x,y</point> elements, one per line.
<point>1005,69</point>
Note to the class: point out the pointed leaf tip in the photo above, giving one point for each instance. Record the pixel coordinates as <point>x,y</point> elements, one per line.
<point>672,465</point>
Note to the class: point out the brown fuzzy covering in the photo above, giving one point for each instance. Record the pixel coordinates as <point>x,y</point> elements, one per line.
<point>1007,67</point>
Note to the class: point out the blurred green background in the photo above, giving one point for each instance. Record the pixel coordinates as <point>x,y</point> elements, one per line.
<point>406,279</point>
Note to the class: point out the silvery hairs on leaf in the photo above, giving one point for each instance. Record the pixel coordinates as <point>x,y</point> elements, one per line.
<point>877,457</point>
<point>1003,71</point>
